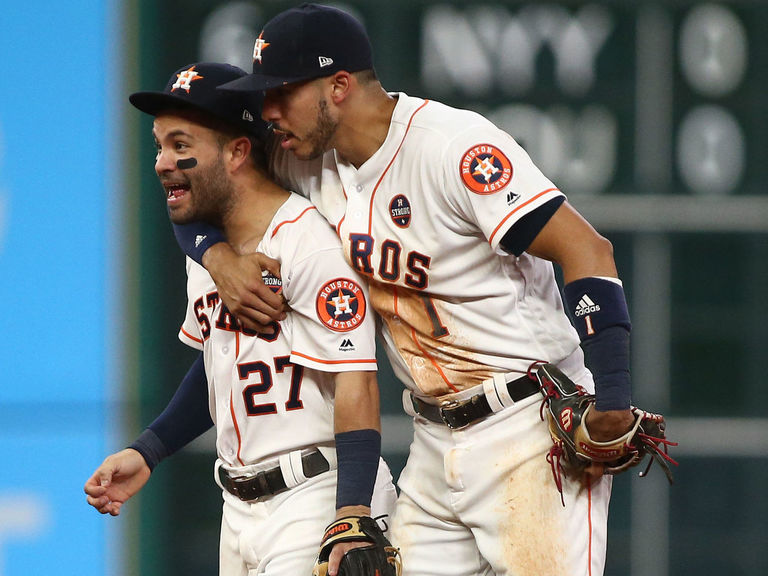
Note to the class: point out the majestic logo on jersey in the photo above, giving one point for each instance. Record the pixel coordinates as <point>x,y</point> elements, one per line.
<point>341,305</point>
<point>346,345</point>
<point>485,169</point>
<point>258,46</point>
<point>400,211</point>
<point>185,79</point>
<point>272,282</point>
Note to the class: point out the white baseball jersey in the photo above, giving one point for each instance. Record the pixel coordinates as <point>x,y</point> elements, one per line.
<point>272,392</point>
<point>422,220</point>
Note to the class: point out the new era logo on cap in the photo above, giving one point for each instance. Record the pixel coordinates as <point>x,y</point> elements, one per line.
<point>324,61</point>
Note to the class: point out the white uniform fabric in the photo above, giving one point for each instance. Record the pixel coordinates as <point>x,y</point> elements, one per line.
<point>271,394</point>
<point>486,312</point>
<point>422,220</point>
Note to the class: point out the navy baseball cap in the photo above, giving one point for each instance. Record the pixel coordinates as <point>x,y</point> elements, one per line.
<point>194,87</point>
<point>306,42</point>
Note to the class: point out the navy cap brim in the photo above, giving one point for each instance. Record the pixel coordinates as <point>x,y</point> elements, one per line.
<point>257,82</point>
<point>154,102</point>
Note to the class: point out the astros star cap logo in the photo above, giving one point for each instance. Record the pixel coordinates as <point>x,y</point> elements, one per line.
<point>258,46</point>
<point>185,79</point>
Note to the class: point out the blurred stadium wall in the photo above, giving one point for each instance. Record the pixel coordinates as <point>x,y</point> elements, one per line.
<point>648,115</point>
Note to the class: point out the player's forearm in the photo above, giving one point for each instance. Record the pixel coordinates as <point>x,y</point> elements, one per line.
<point>356,404</point>
<point>184,418</point>
<point>358,439</point>
<point>345,511</point>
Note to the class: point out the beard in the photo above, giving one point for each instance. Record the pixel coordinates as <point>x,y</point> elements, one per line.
<point>211,194</point>
<point>319,138</point>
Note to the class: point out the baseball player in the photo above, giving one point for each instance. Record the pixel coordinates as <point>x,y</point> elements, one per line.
<point>293,404</point>
<point>455,230</point>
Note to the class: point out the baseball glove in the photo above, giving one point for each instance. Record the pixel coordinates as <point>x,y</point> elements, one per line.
<point>380,558</point>
<point>566,406</point>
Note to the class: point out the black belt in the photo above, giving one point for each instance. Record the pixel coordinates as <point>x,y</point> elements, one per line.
<point>461,413</point>
<point>268,482</point>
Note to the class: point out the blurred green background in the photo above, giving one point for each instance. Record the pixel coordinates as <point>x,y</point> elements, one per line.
<point>647,114</point>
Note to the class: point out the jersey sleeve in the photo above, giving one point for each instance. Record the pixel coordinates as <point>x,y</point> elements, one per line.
<point>191,333</point>
<point>493,181</point>
<point>332,322</point>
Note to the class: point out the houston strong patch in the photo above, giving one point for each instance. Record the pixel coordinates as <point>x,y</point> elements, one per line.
<point>341,305</point>
<point>485,169</point>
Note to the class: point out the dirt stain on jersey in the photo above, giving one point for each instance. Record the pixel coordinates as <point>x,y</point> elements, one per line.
<point>427,340</point>
<point>531,521</point>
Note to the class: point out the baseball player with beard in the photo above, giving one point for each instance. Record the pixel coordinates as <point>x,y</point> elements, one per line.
<point>293,404</point>
<point>455,230</point>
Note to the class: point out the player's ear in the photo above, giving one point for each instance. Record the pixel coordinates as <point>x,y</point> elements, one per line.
<point>238,151</point>
<point>340,86</point>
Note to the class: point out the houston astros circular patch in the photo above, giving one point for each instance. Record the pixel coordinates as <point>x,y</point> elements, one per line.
<point>485,169</point>
<point>341,305</point>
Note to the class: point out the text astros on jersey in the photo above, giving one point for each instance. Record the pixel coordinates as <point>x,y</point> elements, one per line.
<point>472,310</point>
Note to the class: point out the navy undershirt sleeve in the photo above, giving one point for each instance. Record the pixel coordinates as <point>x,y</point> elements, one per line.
<point>185,418</point>
<point>521,234</point>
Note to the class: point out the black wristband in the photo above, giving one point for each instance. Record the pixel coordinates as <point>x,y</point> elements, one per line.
<point>151,448</point>
<point>357,453</point>
<point>607,357</point>
<point>196,237</point>
<point>598,310</point>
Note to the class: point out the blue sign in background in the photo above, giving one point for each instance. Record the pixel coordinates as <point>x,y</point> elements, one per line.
<point>56,262</point>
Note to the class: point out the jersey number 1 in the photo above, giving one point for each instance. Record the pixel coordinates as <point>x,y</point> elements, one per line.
<point>438,330</point>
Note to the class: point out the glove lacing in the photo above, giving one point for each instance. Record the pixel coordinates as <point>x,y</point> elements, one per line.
<point>554,456</point>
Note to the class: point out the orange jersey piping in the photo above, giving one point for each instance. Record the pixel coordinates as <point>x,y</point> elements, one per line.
<point>291,221</point>
<point>375,188</point>
<point>329,362</point>
<point>188,335</point>
<point>237,428</point>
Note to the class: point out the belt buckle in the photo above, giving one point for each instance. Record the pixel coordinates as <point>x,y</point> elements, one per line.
<point>451,405</point>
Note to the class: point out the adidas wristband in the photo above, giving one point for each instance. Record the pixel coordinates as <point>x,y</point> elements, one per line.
<point>598,310</point>
<point>594,304</point>
<point>196,237</point>
<point>357,453</point>
<point>607,357</point>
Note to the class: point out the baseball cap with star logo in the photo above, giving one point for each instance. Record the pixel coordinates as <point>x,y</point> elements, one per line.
<point>306,42</point>
<point>194,87</point>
